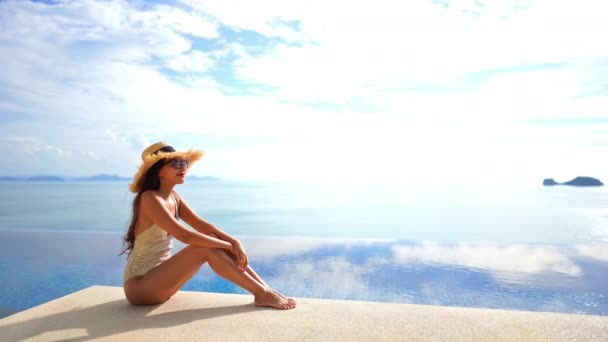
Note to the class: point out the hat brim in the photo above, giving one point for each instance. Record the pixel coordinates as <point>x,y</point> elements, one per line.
<point>191,156</point>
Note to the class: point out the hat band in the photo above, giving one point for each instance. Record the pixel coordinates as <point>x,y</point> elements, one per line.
<point>164,149</point>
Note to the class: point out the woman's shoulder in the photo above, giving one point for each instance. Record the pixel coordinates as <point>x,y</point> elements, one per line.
<point>149,197</point>
<point>177,195</point>
<point>149,194</point>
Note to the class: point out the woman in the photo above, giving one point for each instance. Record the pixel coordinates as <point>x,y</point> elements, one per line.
<point>152,275</point>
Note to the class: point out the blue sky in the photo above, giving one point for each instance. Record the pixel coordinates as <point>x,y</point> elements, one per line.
<point>357,91</point>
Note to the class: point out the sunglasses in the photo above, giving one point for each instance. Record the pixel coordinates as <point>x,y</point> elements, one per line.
<point>179,163</point>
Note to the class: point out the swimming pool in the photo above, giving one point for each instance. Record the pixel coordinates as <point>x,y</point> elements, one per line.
<point>38,266</point>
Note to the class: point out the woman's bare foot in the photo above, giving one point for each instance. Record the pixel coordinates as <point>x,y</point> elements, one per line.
<point>290,300</point>
<point>275,300</point>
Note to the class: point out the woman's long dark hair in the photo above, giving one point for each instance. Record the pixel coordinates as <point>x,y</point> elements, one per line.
<point>151,181</point>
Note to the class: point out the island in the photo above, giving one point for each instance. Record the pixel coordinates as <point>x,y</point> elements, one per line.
<point>578,181</point>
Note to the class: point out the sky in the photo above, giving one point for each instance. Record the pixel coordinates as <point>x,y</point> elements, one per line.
<point>330,91</point>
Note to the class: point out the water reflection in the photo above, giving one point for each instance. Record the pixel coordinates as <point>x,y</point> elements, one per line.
<point>40,266</point>
<point>557,278</point>
<point>266,248</point>
<point>491,258</point>
<point>597,251</point>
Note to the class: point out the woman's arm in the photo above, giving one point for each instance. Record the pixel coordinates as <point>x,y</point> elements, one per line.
<point>152,206</point>
<point>198,223</point>
<point>189,216</point>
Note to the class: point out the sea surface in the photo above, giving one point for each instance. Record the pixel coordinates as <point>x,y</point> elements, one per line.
<point>524,247</point>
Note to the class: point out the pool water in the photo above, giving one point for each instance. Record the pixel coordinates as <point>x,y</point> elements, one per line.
<point>38,266</point>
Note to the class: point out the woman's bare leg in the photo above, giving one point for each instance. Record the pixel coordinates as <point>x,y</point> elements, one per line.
<point>266,300</point>
<point>259,279</point>
<point>255,276</point>
<point>163,281</point>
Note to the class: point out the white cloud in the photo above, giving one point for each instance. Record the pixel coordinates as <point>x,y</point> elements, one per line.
<point>375,42</point>
<point>108,76</point>
<point>382,86</point>
<point>517,260</point>
<point>266,17</point>
<point>195,61</point>
<point>34,147</point>
<point>166,17</point>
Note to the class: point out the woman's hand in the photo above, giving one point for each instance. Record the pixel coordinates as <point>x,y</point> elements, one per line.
<point>239,253</point>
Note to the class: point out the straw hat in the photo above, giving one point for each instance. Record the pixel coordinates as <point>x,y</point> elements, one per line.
<point>153,154</point>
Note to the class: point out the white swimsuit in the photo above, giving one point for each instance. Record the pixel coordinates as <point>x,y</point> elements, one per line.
<point>150,249</point>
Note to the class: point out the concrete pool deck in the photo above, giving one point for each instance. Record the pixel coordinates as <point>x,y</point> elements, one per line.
<point>102,313</point>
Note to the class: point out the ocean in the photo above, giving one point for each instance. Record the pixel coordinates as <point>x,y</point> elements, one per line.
<point>525,247</point>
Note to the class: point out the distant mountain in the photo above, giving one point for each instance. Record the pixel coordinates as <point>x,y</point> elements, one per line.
<point>94,178</point>
<point>104,177</point>
<point>8,179</point>
<point>45,179</point>
<point>578,181</point>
